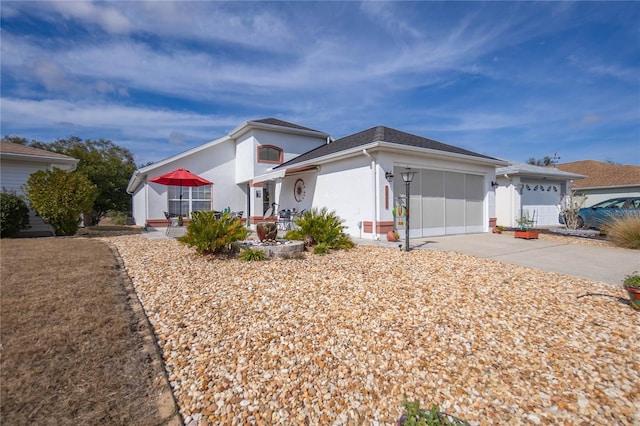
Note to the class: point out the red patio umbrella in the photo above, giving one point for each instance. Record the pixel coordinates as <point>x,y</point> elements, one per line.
<point>180,177</point>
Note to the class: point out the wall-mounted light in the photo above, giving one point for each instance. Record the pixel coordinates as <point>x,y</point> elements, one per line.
<point>388,176</point>
<point>495,184</point>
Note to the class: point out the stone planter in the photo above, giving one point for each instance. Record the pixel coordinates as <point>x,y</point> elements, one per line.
<point>280,248</point>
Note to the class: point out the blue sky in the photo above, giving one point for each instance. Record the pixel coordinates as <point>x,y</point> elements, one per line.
<point>508,79</point>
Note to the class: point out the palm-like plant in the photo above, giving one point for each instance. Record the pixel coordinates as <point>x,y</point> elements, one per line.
<point>321,226</point>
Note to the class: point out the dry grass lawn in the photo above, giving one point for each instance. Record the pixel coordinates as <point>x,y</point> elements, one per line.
<point>74,350</point>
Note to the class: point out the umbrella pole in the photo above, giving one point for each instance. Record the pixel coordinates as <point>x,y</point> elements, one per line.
<point>180,214</point>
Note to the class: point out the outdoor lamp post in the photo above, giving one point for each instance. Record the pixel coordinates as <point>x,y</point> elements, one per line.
<point>407,177</point>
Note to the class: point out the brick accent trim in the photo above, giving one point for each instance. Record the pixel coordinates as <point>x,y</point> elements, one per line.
<point>382,227</point>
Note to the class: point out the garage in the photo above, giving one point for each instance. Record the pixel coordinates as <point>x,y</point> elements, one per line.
<point>540,201</point>
<point>443,202</point>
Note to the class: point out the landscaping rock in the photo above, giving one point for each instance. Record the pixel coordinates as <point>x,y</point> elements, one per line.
<point>339,339</point>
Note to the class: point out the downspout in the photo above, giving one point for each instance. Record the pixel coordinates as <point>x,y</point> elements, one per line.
<point>374,186</point>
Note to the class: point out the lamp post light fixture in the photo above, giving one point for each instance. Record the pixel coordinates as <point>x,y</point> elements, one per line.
<point>407,177</point>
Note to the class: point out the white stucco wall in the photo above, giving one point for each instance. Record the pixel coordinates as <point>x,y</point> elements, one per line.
<point>216,163</point>
<point>247,146</point>
<point>346,187</point>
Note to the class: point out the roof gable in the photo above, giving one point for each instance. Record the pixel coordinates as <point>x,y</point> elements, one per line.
<point>381,134</point>
<point>600,174</point>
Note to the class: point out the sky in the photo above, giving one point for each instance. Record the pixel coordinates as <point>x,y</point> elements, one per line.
<point>512,80</point>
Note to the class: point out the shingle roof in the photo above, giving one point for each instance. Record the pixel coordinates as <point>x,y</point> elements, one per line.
<point>525,169</point>
<point>602,174</point>
<point>14,148</point>
<point>380,134</point>
<point>275,122</point>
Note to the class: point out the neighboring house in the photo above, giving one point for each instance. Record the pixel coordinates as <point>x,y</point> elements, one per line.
<point>17,163</point>
<point>603,180</point>
<point>525,190</point>
<point>358,176</point>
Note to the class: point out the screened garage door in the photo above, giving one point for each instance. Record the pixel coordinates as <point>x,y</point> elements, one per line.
<point>444,203</point>
<point>541,199</point>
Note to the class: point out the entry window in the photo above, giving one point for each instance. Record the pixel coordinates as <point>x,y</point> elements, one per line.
<point>269,154</point>
<point>193,199</point>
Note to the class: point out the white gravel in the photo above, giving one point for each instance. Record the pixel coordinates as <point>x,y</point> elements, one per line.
<point>339,339</point>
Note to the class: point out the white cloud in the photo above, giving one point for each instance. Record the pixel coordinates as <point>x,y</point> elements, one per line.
<point>155,129</point>
<point>110,19</point>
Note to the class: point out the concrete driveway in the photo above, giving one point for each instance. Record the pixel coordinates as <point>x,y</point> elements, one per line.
<point>596,263</point>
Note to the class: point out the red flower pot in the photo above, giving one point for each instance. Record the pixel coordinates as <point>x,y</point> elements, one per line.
<point>634,297</point>
<point>527,235</point>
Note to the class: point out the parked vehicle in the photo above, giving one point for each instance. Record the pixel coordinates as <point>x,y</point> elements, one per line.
<point>602,212</point>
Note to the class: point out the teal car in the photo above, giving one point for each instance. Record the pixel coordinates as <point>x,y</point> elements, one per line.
<point>602,212</point>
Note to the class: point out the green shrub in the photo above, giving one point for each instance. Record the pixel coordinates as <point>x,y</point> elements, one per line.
<point>632,280</point>
<point>14,214</point>
<point>624,231</point>
<point>321,249</point>
<point>416,416</point>
<point>209,235</point>
<point>321,227</point>
<point>59,197</point>
<point>117,218</point>
<point>252,255</point>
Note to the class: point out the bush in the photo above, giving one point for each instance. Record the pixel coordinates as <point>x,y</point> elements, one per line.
<point>321,249</point>
<point>209,235</point>
<point>624,231</point>
<point>416,416</point>
<point>59,197</point>
<point>252,255</point>
<point>321,227</point>
<point>117,218</point>
<point>14,214</point>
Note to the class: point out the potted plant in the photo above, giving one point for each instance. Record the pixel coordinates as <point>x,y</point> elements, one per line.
<point>416,416</point>
<point>267,231</point>
<point>498,229</point>
<point>632,285</point>
<point>526,223</point>
<point>393,236</point>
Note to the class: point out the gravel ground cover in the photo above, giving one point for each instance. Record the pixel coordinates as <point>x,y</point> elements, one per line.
<point>339,339</point>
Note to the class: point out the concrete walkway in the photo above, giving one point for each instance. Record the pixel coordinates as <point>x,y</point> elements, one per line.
<point>597,263</point>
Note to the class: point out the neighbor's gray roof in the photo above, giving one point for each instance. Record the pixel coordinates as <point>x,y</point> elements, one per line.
<point>380,134</point>
<point>524,169</point>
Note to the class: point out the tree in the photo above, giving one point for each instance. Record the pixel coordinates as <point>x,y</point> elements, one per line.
<point>15,139</point>
<point>546,161</point>
<point>14,214</point>
<point>60,197</point>
<point>107,165</point>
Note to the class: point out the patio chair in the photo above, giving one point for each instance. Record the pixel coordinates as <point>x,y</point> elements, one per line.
<point>284,220</point>
<point>169,218</point>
